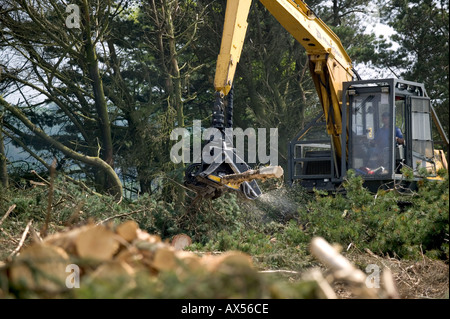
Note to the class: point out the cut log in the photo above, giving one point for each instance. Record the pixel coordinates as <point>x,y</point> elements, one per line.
<point>66,240</point>
<point>128,230</point>
<point>142,235</point>
<point>188,264</point>
<point>227,259</point>
<point>129,254</point>
<point>164,259</point>
<point>40,267</point>
<point>262,173</point>
<point>97,243</point>
<point>113,269</point>
<point>180,241</point>
<point>189,259</point>
<point>134,258</point>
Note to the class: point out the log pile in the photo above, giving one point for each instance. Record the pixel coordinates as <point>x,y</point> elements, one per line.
<point>104,251</point>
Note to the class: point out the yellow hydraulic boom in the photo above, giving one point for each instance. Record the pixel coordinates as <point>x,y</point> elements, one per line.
<point>330,65</point>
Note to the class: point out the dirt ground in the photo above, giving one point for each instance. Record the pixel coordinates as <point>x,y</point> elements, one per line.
<point>425,279</point>
<point>413,279</point>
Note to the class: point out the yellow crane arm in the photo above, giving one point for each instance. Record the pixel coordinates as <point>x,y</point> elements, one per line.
<point>234,29</point>
<point>330,65</point>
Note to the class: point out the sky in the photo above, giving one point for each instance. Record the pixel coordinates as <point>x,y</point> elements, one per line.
<point>373,24</point>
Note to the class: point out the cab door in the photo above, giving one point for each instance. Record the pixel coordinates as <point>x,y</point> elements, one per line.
<point>371,133</point>
<point>420,147</point>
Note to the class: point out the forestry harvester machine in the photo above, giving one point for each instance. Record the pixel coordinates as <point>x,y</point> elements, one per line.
<point>342,137</point>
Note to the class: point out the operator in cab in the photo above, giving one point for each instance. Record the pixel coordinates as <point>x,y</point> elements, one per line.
<point>379,153</point>
<point>381,140</point>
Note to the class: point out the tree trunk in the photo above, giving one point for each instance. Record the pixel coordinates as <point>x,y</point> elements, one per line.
<point>3,162</point>
<point>100,103</point>
<point>336,19</point>
<point>171,69</point>
<point>175,78</point>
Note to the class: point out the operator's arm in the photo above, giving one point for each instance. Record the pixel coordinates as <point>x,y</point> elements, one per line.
<point>399,136</point>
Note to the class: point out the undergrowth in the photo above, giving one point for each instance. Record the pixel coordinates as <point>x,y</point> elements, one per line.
<point>275,236</point>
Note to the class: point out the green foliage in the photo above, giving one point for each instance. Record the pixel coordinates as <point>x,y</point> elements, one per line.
<point>405,225</point>
<point>388,222</point>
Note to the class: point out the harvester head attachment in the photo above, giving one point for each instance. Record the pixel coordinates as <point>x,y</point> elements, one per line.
<point>207,179</point>
<point>225,169</point>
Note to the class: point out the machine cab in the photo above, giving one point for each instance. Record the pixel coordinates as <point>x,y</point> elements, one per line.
<point>386,125</point>
<point>389,125</point>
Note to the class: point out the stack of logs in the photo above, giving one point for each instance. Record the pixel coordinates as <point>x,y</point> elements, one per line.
<point>106,251</point>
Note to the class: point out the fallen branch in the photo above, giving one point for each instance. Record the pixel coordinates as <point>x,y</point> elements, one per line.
<point>50,198</point>
<point>322,284</point>
<point>119,215</point>
<point>76,213</point>
<point>9,236</point>
<point>335,261</point>
<point>40,177</point>
<point>341,267</point>
<point>367,250</point>
<point>10,209</point>
<point>22,240</point>
<point>270,271</point>
<point>389,284</point>
<point>83,186</point>
<point>35,235</point>
<point>37,183</point>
